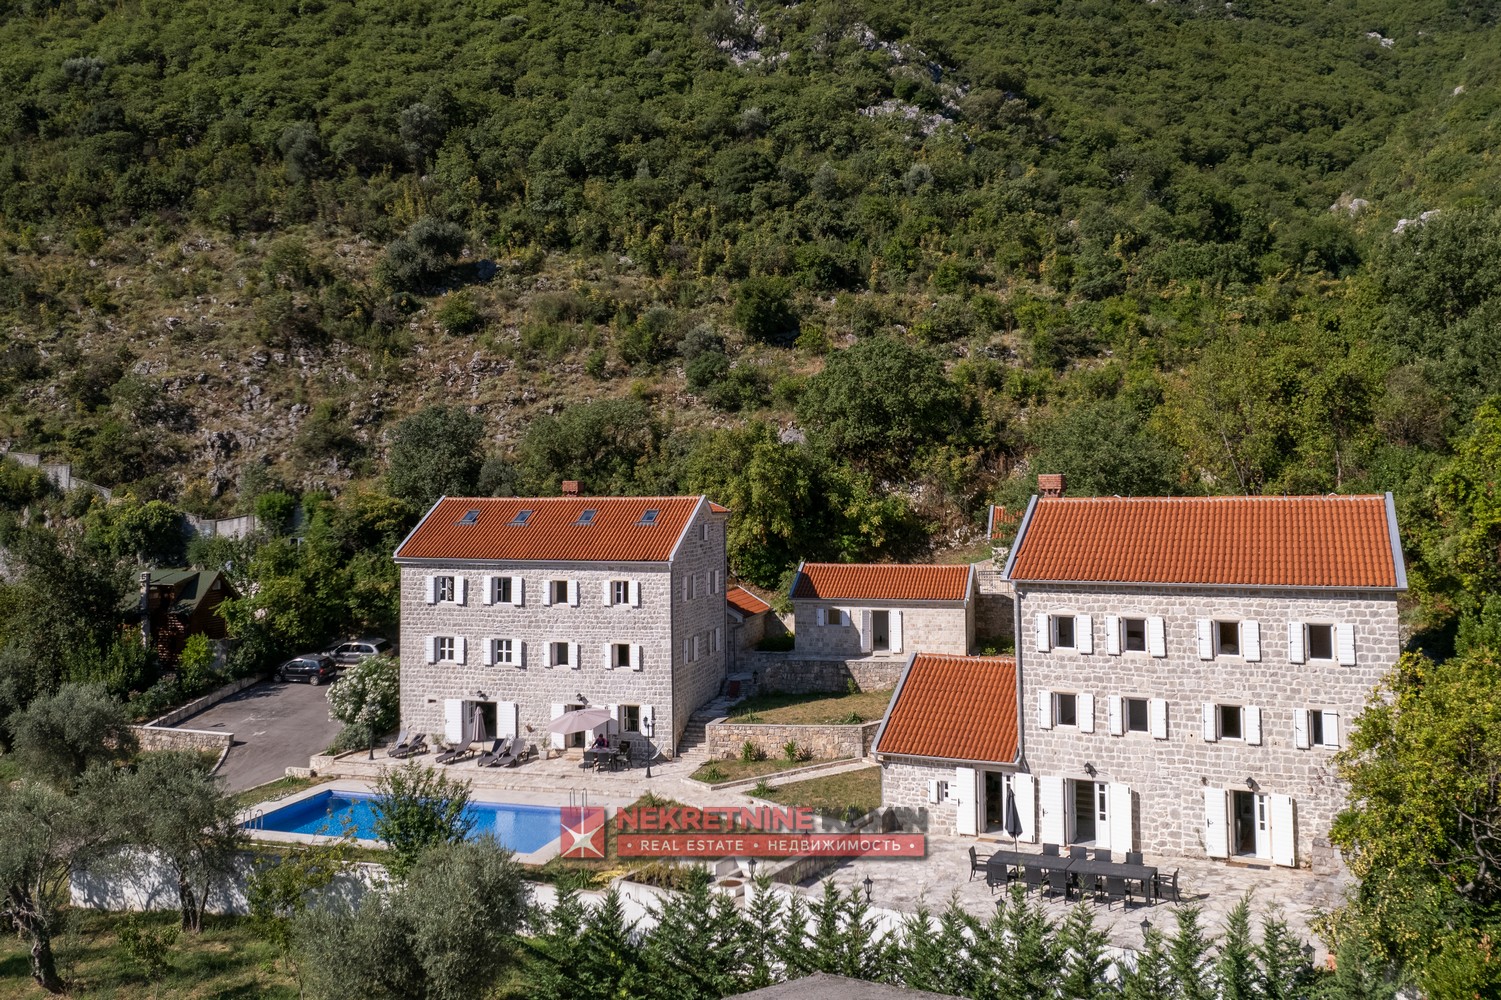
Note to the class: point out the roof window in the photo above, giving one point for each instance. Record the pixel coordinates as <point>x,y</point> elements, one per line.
<point>650,517</point>
<point>470,517</point>
<point>587,517</point>
<point>522,516</point>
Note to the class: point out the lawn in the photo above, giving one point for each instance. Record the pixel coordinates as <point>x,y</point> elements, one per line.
<point>812,709</point>
<point>275,790</point>
<point>226,960</point>
<point>717,772</point>
<point>847,795</point>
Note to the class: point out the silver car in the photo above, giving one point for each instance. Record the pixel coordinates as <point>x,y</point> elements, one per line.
<point>346,654</point>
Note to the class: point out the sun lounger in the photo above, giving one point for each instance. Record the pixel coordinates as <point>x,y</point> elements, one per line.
<point>496,752</point>
<point>520,750</point>
<point>417,745</point>
<point>403,740</point>
<point>461,752</point>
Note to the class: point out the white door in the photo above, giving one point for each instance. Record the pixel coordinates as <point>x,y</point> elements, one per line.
<point>1284,830</point>
<point>1024,788</point>
<point>1053,822</point>
<point>1263,826</point>
<point>453,720</point>
<point>1216,823</point>
<point>1120,823</point>
<point>896,631</point>
<point>557,738</point>
<point>867,637</point>
<point>1100,800</point>
<point>966,802</point>
<point>507,719</point>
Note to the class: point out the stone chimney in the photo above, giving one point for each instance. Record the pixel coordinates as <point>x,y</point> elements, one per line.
<point>1050,484</point>
<point>570,487</point>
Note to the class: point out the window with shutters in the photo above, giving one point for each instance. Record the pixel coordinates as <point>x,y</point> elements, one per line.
<point>940,791</point>
<point>1320,640</point>
<point>620,592</point>
<point>1136,715</point>
<point>558,591</point>
<point>620,654</point>
<point>1231,721</point>
<point>630,718</point>
<point>560,654</point>
<point>1227,638</point>
<point>443,647</point>
<point>444,589</point>
<point>504,651</point>
<point>1065,709</point>
<point>500,590</point>
<point>1063,631</point>
<point>1134,635</point>
<point>1323,729</point>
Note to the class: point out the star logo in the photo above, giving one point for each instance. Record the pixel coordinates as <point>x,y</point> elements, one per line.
<point>583,832</point>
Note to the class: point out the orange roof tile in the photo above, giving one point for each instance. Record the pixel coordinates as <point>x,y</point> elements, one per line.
<point>745,602</point>
<point>718,508</point>
<point>554,531</point>
<point>1001,519</point>
<point>881,582</point>
<point>955,708</point>
<point>1318,541</point>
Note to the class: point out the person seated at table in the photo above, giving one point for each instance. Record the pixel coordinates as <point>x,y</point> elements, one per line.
<point>601,742</point>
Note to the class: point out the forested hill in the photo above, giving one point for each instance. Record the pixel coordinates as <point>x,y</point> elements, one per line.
<point>856,268</point>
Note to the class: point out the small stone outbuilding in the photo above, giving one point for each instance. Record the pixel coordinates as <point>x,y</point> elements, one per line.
<point>854,610</point>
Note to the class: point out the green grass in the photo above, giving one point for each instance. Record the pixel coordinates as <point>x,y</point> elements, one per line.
<point>226,961</point>
<point>847,795</point>
<point>9,770</point>
<point>274,790</point>
<point>812,709</point>
<point>717,772</point>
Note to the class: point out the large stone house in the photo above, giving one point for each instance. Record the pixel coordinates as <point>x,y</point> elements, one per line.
<point>524,608</point>
<point>1188,666</point>
<point>887,609</point>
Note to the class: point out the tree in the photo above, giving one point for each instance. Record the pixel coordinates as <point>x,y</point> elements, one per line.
<point>1235,967</point>
<point>186,826</point>
<point>435,452</point>
<point>281,888</point>
<point>763,308</point>
<point>424,256</point>
<point>698,947</point>
<point>61,735</point>
<point>417,808</point>
<point>1083,950</point>
<point>367,699</point>
<point>602,444</point>
<point>1189,960</point>
<point>446,933</point>
<point>1105,447</point>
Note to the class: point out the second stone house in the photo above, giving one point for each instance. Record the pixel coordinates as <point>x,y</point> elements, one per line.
<point>519,609</point>
<point>884,609</point>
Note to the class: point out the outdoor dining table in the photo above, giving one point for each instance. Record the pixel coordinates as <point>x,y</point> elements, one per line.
<point>1001,862</point>
<point>604,758</point>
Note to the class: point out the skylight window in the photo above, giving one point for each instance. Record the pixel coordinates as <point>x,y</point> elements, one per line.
<point>587,517</point>
<point>470,517</point>
<point>650,517</point>
<point>522,516</point>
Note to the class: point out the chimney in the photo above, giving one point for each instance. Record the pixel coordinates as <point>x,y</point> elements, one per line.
<point>570,487</point>
<point>1050,484</point>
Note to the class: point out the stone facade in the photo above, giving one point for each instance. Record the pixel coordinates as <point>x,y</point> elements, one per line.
<point>790,674</point>
<point>929,626</point>
<point>672,625</point>
<point>822,742</point>
<point>906,784</point>
<point>995,607</point>
<point>1179,781</point>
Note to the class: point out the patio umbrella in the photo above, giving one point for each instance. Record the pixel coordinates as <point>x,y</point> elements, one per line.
<point>479,726</point>
<point>1013,821</point>
<point>580,720</point>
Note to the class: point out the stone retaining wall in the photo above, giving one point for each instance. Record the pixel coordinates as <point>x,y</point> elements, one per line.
<point>790,674</point>
<point>826,742</point>
<point>154,738</point>
<point>197,705</point>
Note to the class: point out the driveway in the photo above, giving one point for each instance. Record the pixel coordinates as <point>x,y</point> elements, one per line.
<point>276,726</point>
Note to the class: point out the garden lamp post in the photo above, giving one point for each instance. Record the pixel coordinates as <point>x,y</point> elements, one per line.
<point>651,731</point>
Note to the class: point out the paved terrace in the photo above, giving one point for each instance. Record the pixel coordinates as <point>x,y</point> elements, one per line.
<point>902,884</point>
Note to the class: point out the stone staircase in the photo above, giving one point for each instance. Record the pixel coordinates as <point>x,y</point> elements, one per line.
<point>694,746</point>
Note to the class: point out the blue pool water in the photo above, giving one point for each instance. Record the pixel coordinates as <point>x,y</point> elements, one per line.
<point>521,828</point>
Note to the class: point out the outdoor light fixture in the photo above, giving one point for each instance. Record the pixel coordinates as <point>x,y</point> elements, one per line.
<point>1251,784</point>
<point>651,731</point>
<point>1146,927</point>
<point>869,886</point>
<point>753,867</point>
<point>1089,769</point>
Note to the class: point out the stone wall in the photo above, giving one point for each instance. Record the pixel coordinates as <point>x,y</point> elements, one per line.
<point>995,608</point>
<point>928,626</point>
<point>154,738</point>
<point>725,739</point>
<point>197,705</point>
<point>1169,777</point>
<point>904,784</point>
<point>789,673</point>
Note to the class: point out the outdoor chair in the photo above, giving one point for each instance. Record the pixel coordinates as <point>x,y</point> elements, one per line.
<point>448,752</point>
<point>520,750</point>
<point>1163,884</point>
<point>463,752</point>
<point>417,745</point>
<point>1082,853</point>
<point>403,740</point>
<point>497,750</point>
<point>1033,878</point>
<point>1103,855</point>
<point>1133,857</point>
<point>1116,888</point>
<point>1050,850</point>
<point>977,864</point>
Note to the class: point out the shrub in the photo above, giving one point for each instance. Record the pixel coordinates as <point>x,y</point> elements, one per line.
<point>367,699</point>
<point>196,664</point>
<point>417,808</point>
<point>791,752</point>
<point>459,314</point>
<point>777,643</point>
<point>763,308</point>
<point>750,753</point>
<point>761,790</point>
<point>148,947</point>
<point>423,256</point>
<point>711,773</point>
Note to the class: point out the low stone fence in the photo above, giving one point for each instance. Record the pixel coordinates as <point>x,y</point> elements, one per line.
<point>826,742</point>
<point>792,674</point>
<point>199,704</point>
<point>155,738</point>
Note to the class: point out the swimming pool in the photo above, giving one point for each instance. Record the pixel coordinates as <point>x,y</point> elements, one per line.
<point>523,829</point>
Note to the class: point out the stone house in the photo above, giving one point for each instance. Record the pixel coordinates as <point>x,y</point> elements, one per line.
<point>948,742</point>
<point>524,608</point>
<point>852,611</point>
<point>1188,667</point>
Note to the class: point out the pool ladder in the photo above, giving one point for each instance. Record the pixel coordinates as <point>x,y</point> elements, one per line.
<point>257,820</point>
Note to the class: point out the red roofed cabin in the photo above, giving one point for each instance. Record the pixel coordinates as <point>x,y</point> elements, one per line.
<point>1189,667</point>
<point>885,609</point>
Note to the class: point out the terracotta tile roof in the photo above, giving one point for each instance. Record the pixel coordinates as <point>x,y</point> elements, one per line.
<point>745,602</point>
<point>1318,541</point>
<point>1001,519</point>
<point>718,508</point>
<point>954,707</point>
<point>555,530</point>
<point>881,582</point>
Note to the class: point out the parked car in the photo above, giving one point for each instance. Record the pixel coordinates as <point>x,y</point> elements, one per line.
<point>315,668</point>
<point>347,654</point>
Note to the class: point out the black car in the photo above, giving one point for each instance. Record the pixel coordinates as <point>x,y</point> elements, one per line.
<point>315,668</point>
<point>347,654</point>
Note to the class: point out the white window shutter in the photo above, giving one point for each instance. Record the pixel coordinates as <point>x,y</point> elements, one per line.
<point>1044,710</point>
<point>557,738</point>
<point>1086,712</point>
<point>1158,710</point>
<point>432,649</point>
<point>1053,816</point>
<point>1216,823</point>
<point>1117,723</point>
<point>547,593</point>
<point>967,820</point>
<point>636,657</point>
<point>453,720</point>
<point>506,720</point>
<point>635,593</point>
<point>461,590</point>
<point>547,654</point>
<point>1156,636</point>
<point>1284,830</point>
<point>1344,641</point>
<point>1300,728</point>
<point>573,593</point>
<point>518,653</point>
<point>867,634</point>
<point>1253,725</point>
<point>460,648</point>
<point>1250,640</point>
<point>685,587</point>
<point>646,720</point>
<point>1122,829</point>
<point>1206,640</point>
<point>820,616</point>
<point>933,791</point>
<point>896,631</point>
<point>1331,729</point>
<point>573,656</point>
<point>609,593</point>
<point>1041,627</point>
<point>432,590</point>
<point>489,595</point>
<point>1211,727</point>
<point>1084,633</point>
<point>518,591</point>
<point>713,581</point>
<point>489,652</point>
<point>1295,652</point>
<point>1113,635</point>
<point>1024,789</point>
<point>609,656</point>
